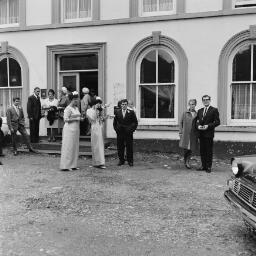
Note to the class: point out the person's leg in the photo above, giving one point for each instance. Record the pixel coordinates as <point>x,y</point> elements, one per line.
<point>129,147</point>
<point>203,148</point>
<point>120,147</point>
<point>37,130</point>
<point>1,142</point>
<point>209,152</point>
<point>14,143</point>
<point>187,155</point>
<point>24,134</point>
<point>32,131</point>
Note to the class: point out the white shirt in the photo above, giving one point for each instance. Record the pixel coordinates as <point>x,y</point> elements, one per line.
<point>205,111</point>
<point>17,110</point>
<point>124,112</point>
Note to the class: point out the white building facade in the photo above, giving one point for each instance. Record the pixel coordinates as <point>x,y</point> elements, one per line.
<point>158,53</point>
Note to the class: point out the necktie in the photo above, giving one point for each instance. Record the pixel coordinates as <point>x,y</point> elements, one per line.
<point>205,111</point>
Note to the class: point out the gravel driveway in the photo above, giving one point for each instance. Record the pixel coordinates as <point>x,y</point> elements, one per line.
<point>155,208</point>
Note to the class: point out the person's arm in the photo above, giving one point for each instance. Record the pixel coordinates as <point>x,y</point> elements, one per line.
<point>181,125</point>
<point>216,120</point>
<point>8,117</point>
<point>29,108</point>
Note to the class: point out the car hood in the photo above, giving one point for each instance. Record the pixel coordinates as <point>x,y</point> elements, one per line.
<point>248,163</point>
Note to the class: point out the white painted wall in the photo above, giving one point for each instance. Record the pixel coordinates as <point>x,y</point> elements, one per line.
<point>38,12</point>
<point>201,39</point>
<point>193,6</point>
<point>114,9</point>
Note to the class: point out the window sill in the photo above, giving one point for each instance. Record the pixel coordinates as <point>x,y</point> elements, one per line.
<point>9,25</point>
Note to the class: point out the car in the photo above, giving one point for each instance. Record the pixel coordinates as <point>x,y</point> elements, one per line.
<point>241,192</point>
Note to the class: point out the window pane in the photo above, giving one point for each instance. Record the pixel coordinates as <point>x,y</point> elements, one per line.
<point>254,63</point>
<point>15,73</point>
<point>166,101</point>
<point>242,65</point>
<point>253,115</point>
<point>148,68</point>
<point>3,11</point>
<point>165,5</point>
<point>3,73</point>
<point>149,5</point>
<point>240,101</point>
<point>70,82</point>
<point>13,11</point>
<point>71,9</point>
<point>84,8</point>
<point>165,67</point>
<point>79,62</point>
<point>148,102</point>
<point>245,3</point>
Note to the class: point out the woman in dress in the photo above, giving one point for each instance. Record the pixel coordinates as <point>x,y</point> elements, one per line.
<point>96,117</point>
<point>50,107</point>
<point>188,133</point>
<point>70,134</point>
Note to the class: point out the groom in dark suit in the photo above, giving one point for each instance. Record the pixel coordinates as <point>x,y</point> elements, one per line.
<point>34,115</point>
<point>125,123</point>
<point>206,121</point>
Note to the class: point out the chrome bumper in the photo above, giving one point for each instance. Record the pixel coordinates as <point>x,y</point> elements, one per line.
<point>248,214</point>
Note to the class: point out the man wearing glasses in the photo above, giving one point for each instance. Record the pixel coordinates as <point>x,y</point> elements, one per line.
<point>207,120</point>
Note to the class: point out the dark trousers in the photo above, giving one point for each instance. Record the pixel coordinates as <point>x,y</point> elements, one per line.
<point>125,140</point>
<point>206,146</point>
<point>24,134</point>
<point>34,130</point>
<point>1,141</point>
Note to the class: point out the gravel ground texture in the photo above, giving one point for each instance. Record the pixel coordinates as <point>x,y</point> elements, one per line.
<point>155,208</point>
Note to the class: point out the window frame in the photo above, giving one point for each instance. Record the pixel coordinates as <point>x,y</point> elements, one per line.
<point>237,5</point>
<point>239,122</point>
<point>16,24</point>
<point>157,121</point>
<point>76,19</point>
<point>157,13</point>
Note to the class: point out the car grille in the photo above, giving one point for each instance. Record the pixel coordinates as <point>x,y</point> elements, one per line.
<point>245,193</point>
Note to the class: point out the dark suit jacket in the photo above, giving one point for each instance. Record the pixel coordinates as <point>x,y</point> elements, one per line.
<point>211,119</point>
<point>34,107</point>
<point>1,122</point>
<point>13,119</point>
<point>125,125</point>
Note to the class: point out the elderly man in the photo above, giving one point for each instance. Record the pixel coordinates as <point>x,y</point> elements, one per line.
<point>85,104</point>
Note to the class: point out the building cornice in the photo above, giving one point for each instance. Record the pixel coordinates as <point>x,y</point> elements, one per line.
<point>124,21</point>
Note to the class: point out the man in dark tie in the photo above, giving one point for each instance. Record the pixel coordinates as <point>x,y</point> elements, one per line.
<point>16,122</point>
<point>34,115</point>
<point>125,123</point>
<point>206,121</point>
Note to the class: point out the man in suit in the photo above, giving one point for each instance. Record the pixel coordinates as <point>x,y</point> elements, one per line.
<point>1,139</point>
<point>125,123</point>
<point>206,121</point>
<point>34,115</point>
<point>16,122</point>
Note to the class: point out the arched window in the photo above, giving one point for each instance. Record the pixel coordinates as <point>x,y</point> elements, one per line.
<point>10,81</point>
<point>156,85</point>
<point>243,84</point>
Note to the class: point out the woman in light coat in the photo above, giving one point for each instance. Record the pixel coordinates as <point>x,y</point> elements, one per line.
<point>188,133</point>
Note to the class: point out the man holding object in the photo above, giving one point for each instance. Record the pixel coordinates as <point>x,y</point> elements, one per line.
<point>206,121</point>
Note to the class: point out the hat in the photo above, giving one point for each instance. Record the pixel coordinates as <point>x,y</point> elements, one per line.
<point>85,90</point>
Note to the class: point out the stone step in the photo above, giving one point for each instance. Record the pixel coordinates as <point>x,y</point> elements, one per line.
<point>57,152</point>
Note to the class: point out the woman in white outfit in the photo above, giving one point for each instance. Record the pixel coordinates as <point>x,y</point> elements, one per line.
<point>96,117</point>
<point>70,135</point>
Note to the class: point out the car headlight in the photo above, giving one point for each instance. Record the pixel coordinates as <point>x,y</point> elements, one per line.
<point>235,170</point>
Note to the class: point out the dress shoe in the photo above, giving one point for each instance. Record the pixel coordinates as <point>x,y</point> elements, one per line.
<point>130,164</point>
<point>15,152</point>
<point>75,168</point>
<point>120,163</point>
<point>1,163</point>
<point>2,154</point>
<point>208,170</point>
<point>102,167</point>
<point>66,170</point>
<point>187,165</point>
<point>201,169</point>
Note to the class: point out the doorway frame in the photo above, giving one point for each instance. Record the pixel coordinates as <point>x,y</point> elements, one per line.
<point>53,51</point>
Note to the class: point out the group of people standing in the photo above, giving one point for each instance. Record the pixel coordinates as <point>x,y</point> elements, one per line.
<point>195,128</point>
<point>200,126</point>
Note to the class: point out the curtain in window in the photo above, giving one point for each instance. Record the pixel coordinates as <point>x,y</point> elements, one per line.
<point>165,5</point>
<point>6,96</point>
<point>84,8</point>
<point>71,9</point>
<point>166,101</point>
<point>13,11</point>
<point>149,5</point>
<point>3,11</point>
<point>240,101</point>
